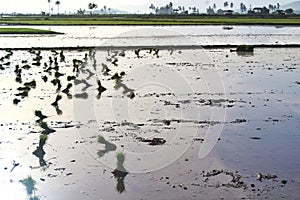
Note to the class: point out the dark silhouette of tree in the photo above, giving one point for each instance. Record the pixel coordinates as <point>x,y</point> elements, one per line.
<point>214,6</point>
<point>49,2</point>
<point>57,3</point>
<point>271,7</point>
<point>210,11</point>
<point>92,6</point>
<point>81,12</point>
<point>226,4</point>
<point>243,7</point>
<point>152,7</point>
<point>278,6</point>
<point>231,5</point>
<point>289,11</point>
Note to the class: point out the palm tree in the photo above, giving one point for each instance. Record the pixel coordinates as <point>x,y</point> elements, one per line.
<point>243,7</point>
<point>57,3</point>
<point>231,5</point>
<point>271,7</point>
<point>152,7</point>
<point>278,6</point>
<point>214,6</point>
<point>92,6</point>
<point>226,4</point>
<point>49,2</point>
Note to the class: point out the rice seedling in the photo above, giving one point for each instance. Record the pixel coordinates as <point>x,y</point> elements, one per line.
<point>39,114</point>
<point>46,128</point>
<point>29,183</point>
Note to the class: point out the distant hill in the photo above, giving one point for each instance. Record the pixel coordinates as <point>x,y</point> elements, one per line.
<point>295,5</point>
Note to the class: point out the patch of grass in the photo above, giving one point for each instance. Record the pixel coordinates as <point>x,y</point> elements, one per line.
<point>25,31</point>
<point>29,183</point>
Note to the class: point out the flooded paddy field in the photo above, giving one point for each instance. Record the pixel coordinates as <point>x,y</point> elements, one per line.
<point>149,123</point>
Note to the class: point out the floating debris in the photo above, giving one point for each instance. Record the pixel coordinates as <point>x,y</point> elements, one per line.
<point>16,101</point>
<point>260,176</point>
<point>244,48</point>
<point>227,27</point>
<point>153,141</point>
<point>255,138</point>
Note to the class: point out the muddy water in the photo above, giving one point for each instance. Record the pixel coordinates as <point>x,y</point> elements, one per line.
<point>154,35</point>
<point>191,124</point>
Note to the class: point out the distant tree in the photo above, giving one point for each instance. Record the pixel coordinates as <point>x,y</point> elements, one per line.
<point>231,5</point>
<point>81,12</point>
<point>220,12</point>
<point>194,9</point>
<point>104,8</point>
<point>243,7</point>
<point>210,11</point>
<point>57,3</point>
<point>271,7</point>
<point>214,6</point>
<point>49,2</point>
<point>289,11</point>
<point>92,6</point>
<point>226,4</point>
<point>278,6</point>
<point>152,7</point>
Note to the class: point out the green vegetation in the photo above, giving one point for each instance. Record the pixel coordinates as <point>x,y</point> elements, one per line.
<point>25,31</point>
<point>29,183</point>
<point>149,20</point>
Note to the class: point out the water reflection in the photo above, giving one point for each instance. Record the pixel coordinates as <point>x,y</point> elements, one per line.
<point>30,183</point>
<point>120,173</point>
<point>204,35</point>
<point>107,148</point>
<point>245,54</point>
<point>40,152</point>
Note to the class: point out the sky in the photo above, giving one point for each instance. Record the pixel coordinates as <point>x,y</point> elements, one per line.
<point>132,6</point>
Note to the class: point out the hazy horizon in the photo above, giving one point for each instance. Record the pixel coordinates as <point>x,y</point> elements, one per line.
<point>131,6</point>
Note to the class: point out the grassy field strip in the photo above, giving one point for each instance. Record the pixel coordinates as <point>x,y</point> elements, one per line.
<point>151,21</point>
<point>25,31</point>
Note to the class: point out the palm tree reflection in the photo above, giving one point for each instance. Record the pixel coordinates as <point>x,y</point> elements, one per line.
<point>107,148</point>
<point>120,172</point>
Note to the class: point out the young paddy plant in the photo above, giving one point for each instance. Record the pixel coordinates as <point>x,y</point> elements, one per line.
<point>46,128</point>
<point>30,185</point>
<point>120,172</point>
